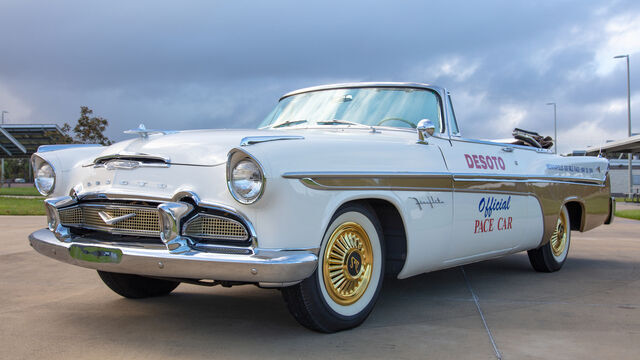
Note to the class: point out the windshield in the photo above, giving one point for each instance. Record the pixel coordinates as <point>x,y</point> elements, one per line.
<point>385,106</point>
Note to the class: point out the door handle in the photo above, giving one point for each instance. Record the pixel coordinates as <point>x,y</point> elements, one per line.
<point>507,149</point>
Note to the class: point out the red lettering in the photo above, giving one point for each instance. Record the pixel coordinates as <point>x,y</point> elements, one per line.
<point>501,163</point>
<point>509,222</point>
<point>469,160</point>
<point>484,164</point>
<point>475,161</point>
<point>490,225</point>
<point>477,226</point>
<point>500,224</point>
<point>489,162</point>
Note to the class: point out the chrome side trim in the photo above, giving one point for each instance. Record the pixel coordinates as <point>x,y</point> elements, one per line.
<point>526,178</point>
<point>455,176</point>
<point>250,140</point>
<point>315,185</point>
<point>262,265</point>
<point>357,174</point>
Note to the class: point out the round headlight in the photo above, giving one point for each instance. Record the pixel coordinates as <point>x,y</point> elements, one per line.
<point>45,177</point>
<point>246,181</point>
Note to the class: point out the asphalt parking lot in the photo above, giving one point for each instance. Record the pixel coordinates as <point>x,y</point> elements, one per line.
<point>588,310</point>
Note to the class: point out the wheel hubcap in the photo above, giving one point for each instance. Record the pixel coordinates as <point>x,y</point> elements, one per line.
<point>347,263</point>
<point>559,237</point>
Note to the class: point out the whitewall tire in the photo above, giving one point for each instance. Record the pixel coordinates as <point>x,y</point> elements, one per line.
<point>342,291</point>
<point>551,256</point>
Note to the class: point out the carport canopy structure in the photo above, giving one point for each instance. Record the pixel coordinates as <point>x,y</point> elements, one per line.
<point>626,145</point>
<point>22,140</point>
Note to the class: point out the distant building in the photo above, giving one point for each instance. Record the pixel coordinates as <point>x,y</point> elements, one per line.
<point>617,152</point>
<point>618,169</point>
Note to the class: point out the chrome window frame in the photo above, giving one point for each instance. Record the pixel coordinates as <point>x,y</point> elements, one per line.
<point>438,91</point>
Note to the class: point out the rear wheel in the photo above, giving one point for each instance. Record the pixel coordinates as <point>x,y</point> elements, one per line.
<point>553,254</point>
<point>136,286</point>
<point>342,291</point>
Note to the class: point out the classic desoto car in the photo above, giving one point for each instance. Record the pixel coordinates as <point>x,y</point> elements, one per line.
<point>339,186</point>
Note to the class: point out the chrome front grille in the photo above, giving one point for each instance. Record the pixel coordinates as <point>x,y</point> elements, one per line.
<point>145,222</point>
<point>215,227</point>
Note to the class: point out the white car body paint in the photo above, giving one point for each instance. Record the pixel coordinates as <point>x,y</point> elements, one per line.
<point>440,225</point>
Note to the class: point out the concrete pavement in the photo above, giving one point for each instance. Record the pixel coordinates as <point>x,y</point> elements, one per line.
<point>589,309</point>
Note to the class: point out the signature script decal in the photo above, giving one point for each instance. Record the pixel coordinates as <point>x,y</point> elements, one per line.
<point>430,200</point>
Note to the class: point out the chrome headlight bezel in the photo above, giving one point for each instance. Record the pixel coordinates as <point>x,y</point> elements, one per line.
<point>235,158</point>
<point>38,163</point>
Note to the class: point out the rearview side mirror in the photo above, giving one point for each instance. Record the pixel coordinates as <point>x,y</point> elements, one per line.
<point>425,129</point>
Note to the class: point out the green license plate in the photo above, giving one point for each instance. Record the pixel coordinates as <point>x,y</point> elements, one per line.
<point>95,254</point>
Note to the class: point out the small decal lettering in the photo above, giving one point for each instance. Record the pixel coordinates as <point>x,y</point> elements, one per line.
<point>430,200</point>
<point>487,206</point>
<point>571,168</point>
<point>485,162</point>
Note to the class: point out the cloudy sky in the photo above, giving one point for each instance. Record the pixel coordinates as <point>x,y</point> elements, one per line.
<point>214,64</point>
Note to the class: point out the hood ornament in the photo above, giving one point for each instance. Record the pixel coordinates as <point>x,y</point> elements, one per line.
<point>110,220</point>
<point>143,132</point>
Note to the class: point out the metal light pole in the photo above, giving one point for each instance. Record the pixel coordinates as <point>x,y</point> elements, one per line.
<point>2,159</point>
<point>628,119</point>
<point>555,129</point>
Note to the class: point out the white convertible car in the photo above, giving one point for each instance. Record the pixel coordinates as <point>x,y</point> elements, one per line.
<point>340,185</point>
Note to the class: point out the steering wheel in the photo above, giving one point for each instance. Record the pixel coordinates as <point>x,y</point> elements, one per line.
<point>396,119</point>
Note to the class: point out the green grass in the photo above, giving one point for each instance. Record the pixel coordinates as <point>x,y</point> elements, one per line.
<point>629,214</point>
<point>16,206</point>
<point>20,191</point>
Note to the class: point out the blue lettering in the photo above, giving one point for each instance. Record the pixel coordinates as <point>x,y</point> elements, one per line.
<point>488,205</point>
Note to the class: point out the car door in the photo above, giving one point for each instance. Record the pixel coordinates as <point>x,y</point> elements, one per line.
<point>490,200</point>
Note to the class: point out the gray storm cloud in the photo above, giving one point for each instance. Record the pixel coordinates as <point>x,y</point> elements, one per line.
<point>210,64</point>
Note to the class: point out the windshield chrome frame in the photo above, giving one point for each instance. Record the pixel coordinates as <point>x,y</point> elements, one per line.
<point>438,91</point>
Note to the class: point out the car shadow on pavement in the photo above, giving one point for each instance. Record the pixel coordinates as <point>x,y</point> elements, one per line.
<point>200,319</point>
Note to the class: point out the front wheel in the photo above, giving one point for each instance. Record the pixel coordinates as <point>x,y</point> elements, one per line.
<point>551,256</point>
<point>342,291</point>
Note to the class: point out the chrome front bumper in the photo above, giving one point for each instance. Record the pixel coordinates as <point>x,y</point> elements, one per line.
<point>264,266</point>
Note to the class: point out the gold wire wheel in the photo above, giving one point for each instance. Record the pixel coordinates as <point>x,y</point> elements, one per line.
<point>347,263</point>
<point>559,237</point>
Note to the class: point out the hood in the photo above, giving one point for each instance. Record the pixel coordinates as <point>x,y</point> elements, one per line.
<point>194,147</point>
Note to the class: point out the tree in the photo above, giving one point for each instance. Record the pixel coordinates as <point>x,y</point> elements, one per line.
<point>88,130</point>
